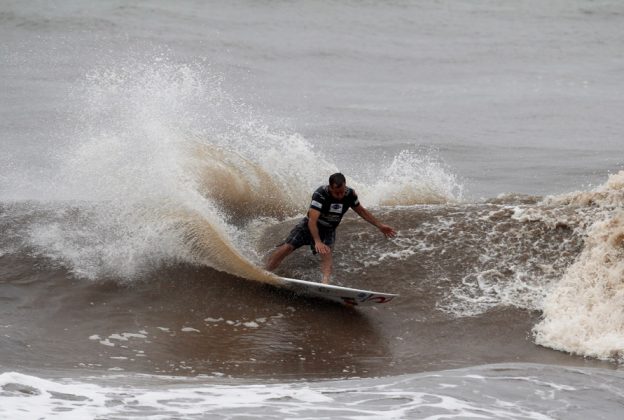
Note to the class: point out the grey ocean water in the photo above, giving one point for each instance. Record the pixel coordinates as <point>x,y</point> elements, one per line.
<point>479,107</point>
<point>520,97</point>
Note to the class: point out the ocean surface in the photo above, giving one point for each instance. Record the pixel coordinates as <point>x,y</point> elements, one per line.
<point>153,153</point>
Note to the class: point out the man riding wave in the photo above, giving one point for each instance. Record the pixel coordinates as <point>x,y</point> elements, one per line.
<point>318,229</point>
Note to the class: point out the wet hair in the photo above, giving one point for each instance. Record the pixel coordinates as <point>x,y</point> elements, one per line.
<point>337,180</point>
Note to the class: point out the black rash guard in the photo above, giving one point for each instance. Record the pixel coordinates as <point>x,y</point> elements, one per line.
<point>331,209</point>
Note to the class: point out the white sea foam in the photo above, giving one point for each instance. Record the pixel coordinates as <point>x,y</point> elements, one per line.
<point>209,319</point>
<point>247,324</point>
<point>581,302</point>
<point>487,289</point>
<point>583,312</point>
<point>189,329</point>
<point>498,391</point>
<point>126,336</point>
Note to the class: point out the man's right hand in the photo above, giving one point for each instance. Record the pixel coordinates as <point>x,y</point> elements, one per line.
<point>321,248</point>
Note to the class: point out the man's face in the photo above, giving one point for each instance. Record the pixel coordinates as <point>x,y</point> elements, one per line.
<point>338,192</point>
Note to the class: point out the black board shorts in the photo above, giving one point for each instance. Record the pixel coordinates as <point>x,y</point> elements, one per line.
<point>300,235</point>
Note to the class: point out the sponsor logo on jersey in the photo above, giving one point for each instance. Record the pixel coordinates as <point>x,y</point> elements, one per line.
<point>316,204</point>
<point>335,208</point>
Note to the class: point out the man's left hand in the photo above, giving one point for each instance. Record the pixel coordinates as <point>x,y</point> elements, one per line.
<point>387,231</point>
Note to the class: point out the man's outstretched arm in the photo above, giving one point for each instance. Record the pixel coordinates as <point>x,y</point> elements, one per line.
<point>366,215</point>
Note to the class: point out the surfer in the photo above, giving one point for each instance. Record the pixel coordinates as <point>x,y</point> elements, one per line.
<point>318,228</point>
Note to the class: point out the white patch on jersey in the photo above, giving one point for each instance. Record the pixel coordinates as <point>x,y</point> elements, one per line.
<point>316,204</point>
<point>335,208</point>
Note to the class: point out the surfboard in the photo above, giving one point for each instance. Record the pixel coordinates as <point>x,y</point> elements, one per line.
<point>344,295</point>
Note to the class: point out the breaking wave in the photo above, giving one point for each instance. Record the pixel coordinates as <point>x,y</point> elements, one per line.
<point>158,164</point>
<point>583,314</point>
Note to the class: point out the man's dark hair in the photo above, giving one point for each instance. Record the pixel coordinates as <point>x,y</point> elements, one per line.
<point>337,180</point>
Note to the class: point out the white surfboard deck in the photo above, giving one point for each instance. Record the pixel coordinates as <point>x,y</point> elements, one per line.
<point>344,295</point>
